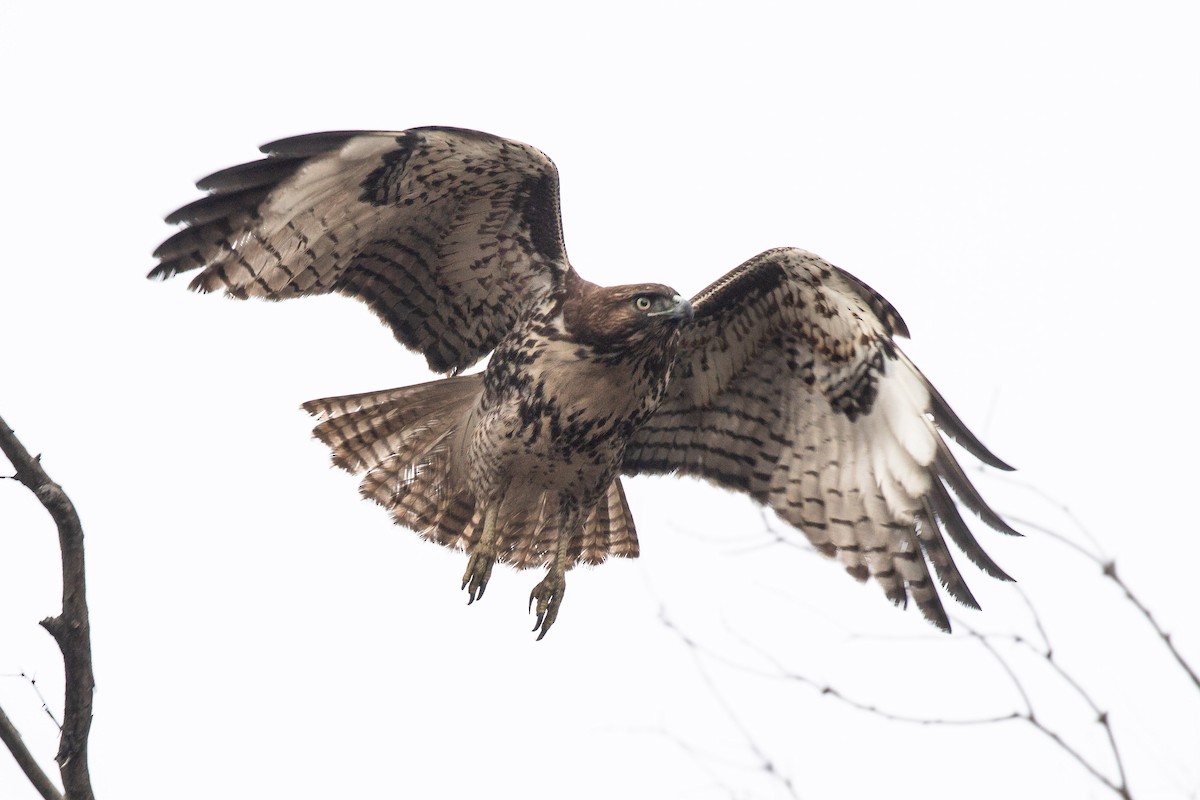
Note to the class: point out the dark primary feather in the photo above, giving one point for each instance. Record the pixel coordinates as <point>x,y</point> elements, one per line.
<point>197,214</point>
<point>949,422</point>
<point>264,172</point>
<point>312,144</point>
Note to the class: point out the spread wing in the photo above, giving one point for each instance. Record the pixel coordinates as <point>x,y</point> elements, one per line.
<point>446,234</point>
<point>790,388</point>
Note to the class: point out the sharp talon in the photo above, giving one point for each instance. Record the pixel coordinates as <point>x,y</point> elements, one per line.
<point>479,571</point>
<point>549,594</point>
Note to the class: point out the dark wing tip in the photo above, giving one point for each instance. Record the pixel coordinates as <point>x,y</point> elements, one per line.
<point>952,473</point>
<point>941,509</point>
<point>170,268</point>
<point>1001,465</point>
<point>233,196</point>
<point>311,144</point>
<point>936,614</point>
<point>164,271</point>
<point>221,204</point>
<point>264,172</point>
<point>953,425</point>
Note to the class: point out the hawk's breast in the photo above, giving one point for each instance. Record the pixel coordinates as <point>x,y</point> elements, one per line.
<point>556,414</point>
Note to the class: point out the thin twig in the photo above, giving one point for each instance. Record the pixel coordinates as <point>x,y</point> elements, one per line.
<point>1108,568</point>
<point>1047,652</point>
<point>766,763</point>
<point>1031,717</point>
<point>1110,572</point>
<point>42,698</point>
<point>71,629</point>
<point>831,691</point>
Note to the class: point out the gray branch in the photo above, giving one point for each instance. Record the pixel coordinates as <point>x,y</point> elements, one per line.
<point>70,629</point>
<point>25,760</point>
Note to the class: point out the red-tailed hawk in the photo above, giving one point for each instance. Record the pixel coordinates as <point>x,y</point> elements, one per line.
<point>782,380</point>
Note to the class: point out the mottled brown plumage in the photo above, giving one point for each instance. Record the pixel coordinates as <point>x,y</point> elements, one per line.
<point>781,380</point>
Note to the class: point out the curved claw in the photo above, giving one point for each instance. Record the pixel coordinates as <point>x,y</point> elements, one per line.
<point>479,571</point>
<point>549,595</point>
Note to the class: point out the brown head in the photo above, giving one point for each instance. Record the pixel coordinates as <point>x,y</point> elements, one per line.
<point>610,318</point>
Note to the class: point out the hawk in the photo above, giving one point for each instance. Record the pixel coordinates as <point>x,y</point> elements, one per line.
<point>781,380</point>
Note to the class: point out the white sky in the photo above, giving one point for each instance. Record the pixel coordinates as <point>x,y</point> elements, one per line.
<point>1020,182</point>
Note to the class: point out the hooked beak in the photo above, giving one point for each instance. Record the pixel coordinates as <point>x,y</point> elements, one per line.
<point>681,310</point>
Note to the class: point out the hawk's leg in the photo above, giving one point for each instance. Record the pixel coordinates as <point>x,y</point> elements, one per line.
<point>483,556</point>
<point>549,593</point>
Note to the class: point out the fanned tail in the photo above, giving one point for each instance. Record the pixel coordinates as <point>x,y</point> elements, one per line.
<point>404,440</point>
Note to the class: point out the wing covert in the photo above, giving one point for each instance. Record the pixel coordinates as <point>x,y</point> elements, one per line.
<point>446,234</point>
<point>790,388</point>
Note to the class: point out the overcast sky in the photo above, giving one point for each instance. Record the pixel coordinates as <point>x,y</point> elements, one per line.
<point>1020,180</point>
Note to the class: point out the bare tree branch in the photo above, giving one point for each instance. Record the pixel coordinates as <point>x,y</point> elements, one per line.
<point>25,760</point>
<point>71,629</point>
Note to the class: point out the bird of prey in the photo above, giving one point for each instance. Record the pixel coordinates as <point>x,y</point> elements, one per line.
<point>782,379</point>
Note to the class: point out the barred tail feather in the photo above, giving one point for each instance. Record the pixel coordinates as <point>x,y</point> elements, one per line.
<point>402,438</point>
<point>527,533</point>
<point>609,530</point>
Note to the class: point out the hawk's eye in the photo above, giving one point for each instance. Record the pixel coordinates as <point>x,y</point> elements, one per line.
<point>642,302</point>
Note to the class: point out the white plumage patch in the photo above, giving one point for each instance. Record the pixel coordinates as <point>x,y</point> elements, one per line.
<point>899,441</point>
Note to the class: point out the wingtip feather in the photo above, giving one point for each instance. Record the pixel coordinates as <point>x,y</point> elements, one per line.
<point>311,144</point>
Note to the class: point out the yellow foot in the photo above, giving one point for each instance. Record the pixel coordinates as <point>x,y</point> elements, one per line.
<point>549,595</point>
<point>479,570</point>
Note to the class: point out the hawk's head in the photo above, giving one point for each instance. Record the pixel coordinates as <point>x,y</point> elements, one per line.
<point>611,318</point>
